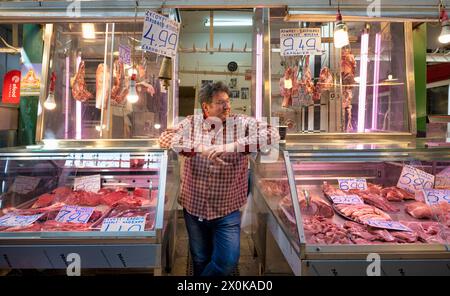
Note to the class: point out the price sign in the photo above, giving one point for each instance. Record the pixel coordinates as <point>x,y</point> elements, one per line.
<point>346,199</point>
<point>347,184</point>
<point>87,183</point>
<point>394,225</point>
<point>436,196</point>
<point>300,41</point>
<point>124,224</point>
<point>74,214</point>
<point>160,34</point>
<point>24,184</point>
<point>412,179</point>
<point>18,220</point>
<point>443,179</point>
<point>125,54</point>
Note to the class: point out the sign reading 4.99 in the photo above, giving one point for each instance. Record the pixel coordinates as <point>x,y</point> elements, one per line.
<point>160,34</point>
<point>300,41</point>
<point>412,179</point>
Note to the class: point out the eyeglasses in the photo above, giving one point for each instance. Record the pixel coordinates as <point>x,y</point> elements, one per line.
<point>223,103</point>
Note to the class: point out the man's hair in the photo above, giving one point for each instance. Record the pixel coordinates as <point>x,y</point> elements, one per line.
<point>208,90</point>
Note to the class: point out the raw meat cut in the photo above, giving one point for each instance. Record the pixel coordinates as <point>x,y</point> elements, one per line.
<point>325,83</point>
<point>289,93</point>
<point>374,199</point>
<point>79,88</point>
<point>348,67</point>
<point>419,210</point>
<point>396,194</point>
<point>319,230</point>
<point>330,190</point>
<point>361,213</point>
<point>315,207</point>
<point>119,89</point>
<point>274,188</point>
<point>307,83</point>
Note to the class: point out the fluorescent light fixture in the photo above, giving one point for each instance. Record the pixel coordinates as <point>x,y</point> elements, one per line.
<point>230,23</point>
<point>88,30</point>
<point>78,110</point>
<point>259,78</point>
<point>376,80</point>
<point>363,84</point>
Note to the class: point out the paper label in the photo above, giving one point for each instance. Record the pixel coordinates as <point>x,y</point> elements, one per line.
<point>74,214</point>
<point>347,184</point>
<point>124,224</point>
<point>412,179</point>
<point>300,41</point>
<point>346,199</point>
<point>394,225</point>
<point>87,183</point>
<point>160,34</point>
<point>125,54</point>
<point>442,180</point>
<point>18,220</point>
<point>24,184</point>
<point>436,196</point>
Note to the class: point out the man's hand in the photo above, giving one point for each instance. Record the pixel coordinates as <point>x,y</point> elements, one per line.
<point>214,153</point>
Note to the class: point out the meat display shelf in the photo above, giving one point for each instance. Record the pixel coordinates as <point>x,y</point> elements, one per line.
<point>149,189</point>
<point>284,247</point>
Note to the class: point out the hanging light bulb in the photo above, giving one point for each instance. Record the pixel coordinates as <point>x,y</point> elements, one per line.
<point>88,30</point>
<point>288,83</point>
<point>444,37</point>
<point>340,32</point>
<point>132,96</point>
<point>50,102</point>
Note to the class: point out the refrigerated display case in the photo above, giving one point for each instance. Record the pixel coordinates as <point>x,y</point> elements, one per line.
<point>299,229</point>
<point>111,202</point>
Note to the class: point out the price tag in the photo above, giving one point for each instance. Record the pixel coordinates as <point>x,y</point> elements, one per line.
<point>412,179</point>
<point>125,54</point>
<point>442,180</point>
<point>436,196</point>
<point>17,220</point>
<point>346,199</point>
<point>124,224</point>
<point>87,183</point>
<point>24,184</point>
<point>394,225</point>
<point>347,184</point>
<point>300,41</point>
<point>160,34</point>
<point>74,214</point>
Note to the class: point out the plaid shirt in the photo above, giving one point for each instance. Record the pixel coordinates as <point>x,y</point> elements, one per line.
<point>209,189</point>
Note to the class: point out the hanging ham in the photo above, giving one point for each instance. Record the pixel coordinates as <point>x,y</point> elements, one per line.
<point>348,67</point>
<point>79,89</point>
<point>325,83</point>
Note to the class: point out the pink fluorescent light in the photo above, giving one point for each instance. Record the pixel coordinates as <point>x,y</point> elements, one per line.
<point>258,92</point>
<point>376,80</point>
<point>363,82</point>
<point>66,115</point>
<point>78,111</point>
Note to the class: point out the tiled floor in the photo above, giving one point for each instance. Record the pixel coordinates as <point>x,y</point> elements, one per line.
<point>248,265</point>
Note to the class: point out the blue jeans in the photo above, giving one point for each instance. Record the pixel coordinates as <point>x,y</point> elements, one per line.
<point>214,244</point>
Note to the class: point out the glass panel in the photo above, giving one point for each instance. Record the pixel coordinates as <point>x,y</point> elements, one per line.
<point>348,213</point>
<point>92,84</point>
<point>359,88</point>
<point>46,187</point>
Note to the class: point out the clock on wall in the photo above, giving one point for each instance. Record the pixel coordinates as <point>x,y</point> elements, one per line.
<point>232,66</point>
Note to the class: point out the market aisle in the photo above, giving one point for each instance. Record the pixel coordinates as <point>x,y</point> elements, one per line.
<point>181,267</point>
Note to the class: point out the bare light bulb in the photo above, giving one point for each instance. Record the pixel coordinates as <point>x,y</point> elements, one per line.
<point>132,96</point>
<point>88,30</point>
<point>50,103</point>
<point>288,83</point>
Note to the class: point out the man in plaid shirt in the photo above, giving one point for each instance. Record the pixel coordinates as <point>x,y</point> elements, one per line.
<point>216,145</point>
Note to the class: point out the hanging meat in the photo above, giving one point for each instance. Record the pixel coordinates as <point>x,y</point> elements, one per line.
<point>307,81</point>
<point>325,83</point>
<point>142,83</point>
<point>99,81</point>
<point>289,86</point>
<point>348,67</point>
<point>79,89</point>
<point>120,86</point>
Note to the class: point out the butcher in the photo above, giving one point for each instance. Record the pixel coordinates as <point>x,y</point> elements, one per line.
<point>216,145</point>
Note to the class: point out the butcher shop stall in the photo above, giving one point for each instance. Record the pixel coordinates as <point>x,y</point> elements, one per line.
<point>94,188</point>
<point>353,192</point>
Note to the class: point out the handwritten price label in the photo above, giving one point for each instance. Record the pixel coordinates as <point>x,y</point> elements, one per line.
<point>74,214</point>
<point>124,224</point>
<point>443,179</point>
<point>160,34</point>
<point>394,225</point>
<point>17,220</point>
<point>24,184</point>
<point>347,184</point>
<point>436,196</point>
<point>125,54</point>
<point>300,41</point>
<point>347,199</point>
<point>87,183</point>
<point>412,179</point>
